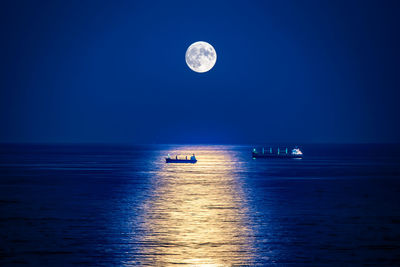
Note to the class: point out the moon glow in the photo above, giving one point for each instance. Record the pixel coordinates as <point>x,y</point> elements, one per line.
<point>201,56</point>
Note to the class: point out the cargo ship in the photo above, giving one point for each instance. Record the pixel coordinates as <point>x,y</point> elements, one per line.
<point>294,154</point>
<point>192,159</point>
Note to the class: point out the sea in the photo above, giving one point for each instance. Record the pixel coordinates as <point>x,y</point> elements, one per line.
<point>122,205</point>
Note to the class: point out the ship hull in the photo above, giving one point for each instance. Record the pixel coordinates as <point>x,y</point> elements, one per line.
<point>274,156</point>
<point>169,160</point>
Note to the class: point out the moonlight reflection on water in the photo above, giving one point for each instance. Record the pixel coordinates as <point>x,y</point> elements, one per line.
<point>196,213</point>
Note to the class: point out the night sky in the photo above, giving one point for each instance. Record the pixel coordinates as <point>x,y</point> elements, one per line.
<point>115,72</point>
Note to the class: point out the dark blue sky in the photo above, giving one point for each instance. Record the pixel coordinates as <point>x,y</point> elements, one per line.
<point>287,71</point>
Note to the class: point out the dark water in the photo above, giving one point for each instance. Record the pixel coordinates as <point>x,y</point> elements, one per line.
<point>122,205</point>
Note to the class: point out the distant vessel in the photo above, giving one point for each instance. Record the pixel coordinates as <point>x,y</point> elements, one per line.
<point>295,154</point>
<point>178,160</point>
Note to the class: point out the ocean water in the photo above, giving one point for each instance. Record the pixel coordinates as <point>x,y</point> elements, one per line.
<point>107,205</point>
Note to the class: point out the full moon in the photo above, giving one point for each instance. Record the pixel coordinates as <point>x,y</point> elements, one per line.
<point>201,57</point>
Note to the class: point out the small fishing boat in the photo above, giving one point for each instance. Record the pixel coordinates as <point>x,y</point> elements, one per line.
<point>295,154</point>
<point>192,159</point>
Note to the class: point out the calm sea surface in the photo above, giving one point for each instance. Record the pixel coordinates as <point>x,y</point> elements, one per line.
<point>123,205</point>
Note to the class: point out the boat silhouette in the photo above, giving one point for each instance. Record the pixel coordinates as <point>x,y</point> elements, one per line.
<point>294,154</point>
<point>180,160</point>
